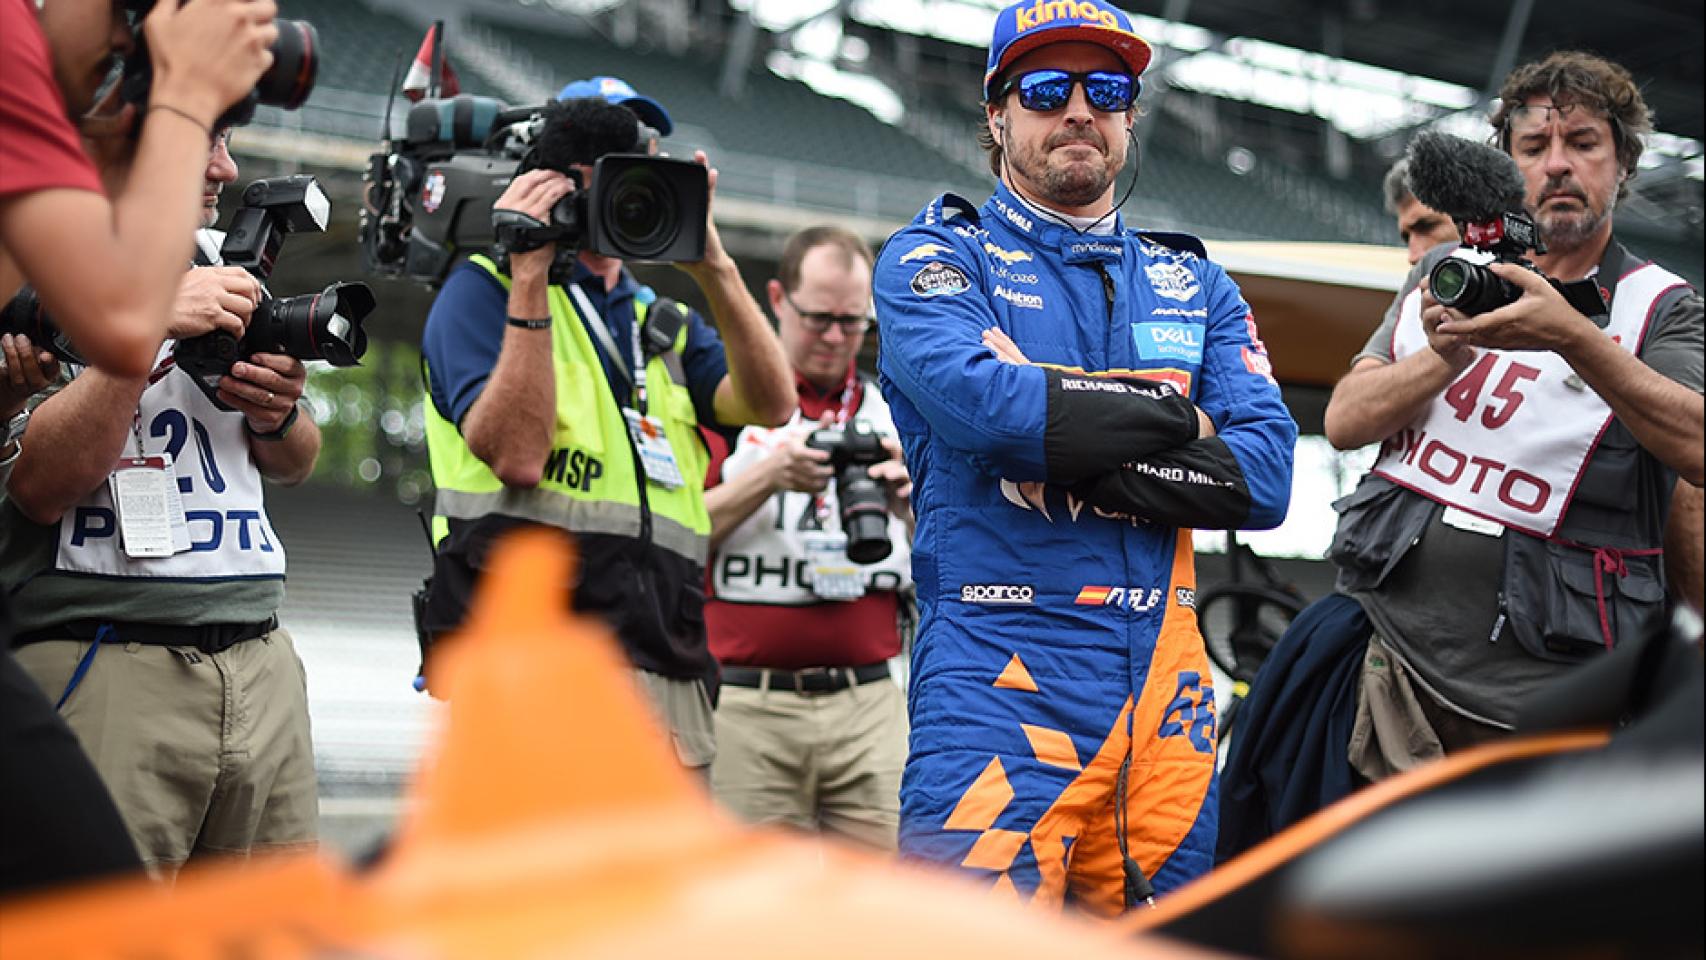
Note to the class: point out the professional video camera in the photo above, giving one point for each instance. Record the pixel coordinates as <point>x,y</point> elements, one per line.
<point>429,195</point>
<point>287,83</point>
<point>1480,188</point>
<point>864,506</point>
<point>314,326</point>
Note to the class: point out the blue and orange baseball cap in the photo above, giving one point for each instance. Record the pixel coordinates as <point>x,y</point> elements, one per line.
<point>617,91</point>
<point>1030,24</point>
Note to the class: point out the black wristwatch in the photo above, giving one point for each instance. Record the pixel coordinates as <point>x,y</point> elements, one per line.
<point>283,428</point>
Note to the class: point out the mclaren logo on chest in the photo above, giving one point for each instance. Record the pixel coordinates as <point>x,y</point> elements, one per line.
<point>1172,281</point>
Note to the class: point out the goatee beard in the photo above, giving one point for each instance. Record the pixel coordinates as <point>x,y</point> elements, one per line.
<point>1565,232</point>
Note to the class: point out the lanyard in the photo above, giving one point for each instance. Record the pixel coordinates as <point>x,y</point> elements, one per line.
<point>595,323</point>
<point>160,370</point>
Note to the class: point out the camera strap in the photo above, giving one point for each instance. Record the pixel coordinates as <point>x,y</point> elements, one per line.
<point>606,342</point>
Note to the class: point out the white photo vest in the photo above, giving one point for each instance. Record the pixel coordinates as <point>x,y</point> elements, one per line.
<point>768,551</point>
<point>1508,440</point>
<point>231,537</point>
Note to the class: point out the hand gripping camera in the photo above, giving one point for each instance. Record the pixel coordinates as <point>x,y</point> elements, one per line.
<point>315,326</point>
<point>1480,188</point>
<point>864,506</point>
<point>287,83</point>
<point>429,196</point>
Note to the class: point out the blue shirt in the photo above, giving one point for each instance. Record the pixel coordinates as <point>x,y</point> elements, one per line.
<point>465,331</point>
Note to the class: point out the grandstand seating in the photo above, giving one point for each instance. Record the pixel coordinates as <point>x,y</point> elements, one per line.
<point>361,47</point>
<point>774,117</point>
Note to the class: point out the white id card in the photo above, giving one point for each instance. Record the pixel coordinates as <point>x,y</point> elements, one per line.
<point>833,576</point>
<point>144,491</point>
<point>655,454</point>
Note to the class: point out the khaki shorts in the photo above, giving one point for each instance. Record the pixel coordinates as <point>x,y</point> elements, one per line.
<point>203,753</point>
<point>827,762</point>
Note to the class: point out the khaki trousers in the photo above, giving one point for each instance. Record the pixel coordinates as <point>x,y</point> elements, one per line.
<point>203,753</point>
<point>828,762</point>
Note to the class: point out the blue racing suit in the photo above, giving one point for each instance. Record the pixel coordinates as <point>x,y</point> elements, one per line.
<point>1061,703</point>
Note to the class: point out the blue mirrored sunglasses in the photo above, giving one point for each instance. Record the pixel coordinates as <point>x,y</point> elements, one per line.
<point>1048,90</point>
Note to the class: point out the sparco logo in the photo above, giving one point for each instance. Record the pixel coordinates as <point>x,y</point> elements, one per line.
<point>1186,597</point>
<point>1017,594</point>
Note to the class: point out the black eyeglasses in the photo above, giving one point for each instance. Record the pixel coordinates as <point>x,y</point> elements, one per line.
<point>818,321</point>
<point>1045,91</point>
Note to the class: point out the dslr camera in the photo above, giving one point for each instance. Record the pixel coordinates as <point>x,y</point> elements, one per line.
<point>286,84</point>
<point>429,195</point>
<point>314,326</point>
<point>864,505</point>
<point>1469,287</point>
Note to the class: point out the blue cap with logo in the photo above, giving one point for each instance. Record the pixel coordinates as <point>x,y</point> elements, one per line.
<point>1030,24</point>
<point>616,90</point>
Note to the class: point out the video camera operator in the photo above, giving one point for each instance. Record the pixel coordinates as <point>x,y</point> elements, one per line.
<point>154,629</point>
<point>108,269</point>
<point>572,399</point>
<point>811,728</point>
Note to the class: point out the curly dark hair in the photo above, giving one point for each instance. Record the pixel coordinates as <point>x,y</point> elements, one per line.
<point>1578,77</point>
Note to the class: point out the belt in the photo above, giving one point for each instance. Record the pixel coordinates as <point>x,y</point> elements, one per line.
<point>809,680</point>
<point>207,637</point>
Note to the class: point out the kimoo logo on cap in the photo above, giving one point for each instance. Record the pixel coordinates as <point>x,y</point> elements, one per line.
<point>1030,24</point>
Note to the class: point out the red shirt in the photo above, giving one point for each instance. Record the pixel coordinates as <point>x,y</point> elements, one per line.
<point>39,148</point>
<point>834,633</point>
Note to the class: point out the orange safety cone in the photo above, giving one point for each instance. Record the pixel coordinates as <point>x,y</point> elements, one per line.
<point>552,819</point>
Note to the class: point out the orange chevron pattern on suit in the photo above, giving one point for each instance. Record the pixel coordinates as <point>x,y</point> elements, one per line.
<point>1168,734</point>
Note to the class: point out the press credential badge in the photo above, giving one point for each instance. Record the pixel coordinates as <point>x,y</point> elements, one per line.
<point>150,511</point>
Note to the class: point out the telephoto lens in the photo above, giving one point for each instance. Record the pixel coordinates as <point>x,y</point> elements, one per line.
<point>314,326</point>
<point>864,514</point>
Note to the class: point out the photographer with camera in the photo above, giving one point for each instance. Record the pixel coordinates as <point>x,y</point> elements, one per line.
<point>811,728</point>
<point>148,591</point>
<point>1551,556</point>
<point>562,392</point>
<point>1512,525</point>
<point>108,268</point>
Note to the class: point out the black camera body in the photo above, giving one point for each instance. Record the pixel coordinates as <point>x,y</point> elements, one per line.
<point>864,505</point>
<point>24,314</point>
<point>287,83</point>
<point>1471,288</point>
<point>313,326</point>
<point>429,196</point>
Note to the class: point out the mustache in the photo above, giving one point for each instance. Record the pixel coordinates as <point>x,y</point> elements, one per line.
<point>1562,187</point>
<point>1088,136</point>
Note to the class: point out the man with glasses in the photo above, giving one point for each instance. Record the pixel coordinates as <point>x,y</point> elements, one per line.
<point>1073,396</point>
<point>1471,610</point>
<point>811,728</point>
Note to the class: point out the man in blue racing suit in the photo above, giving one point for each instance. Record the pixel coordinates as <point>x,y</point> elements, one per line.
<point>1072,396</point>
